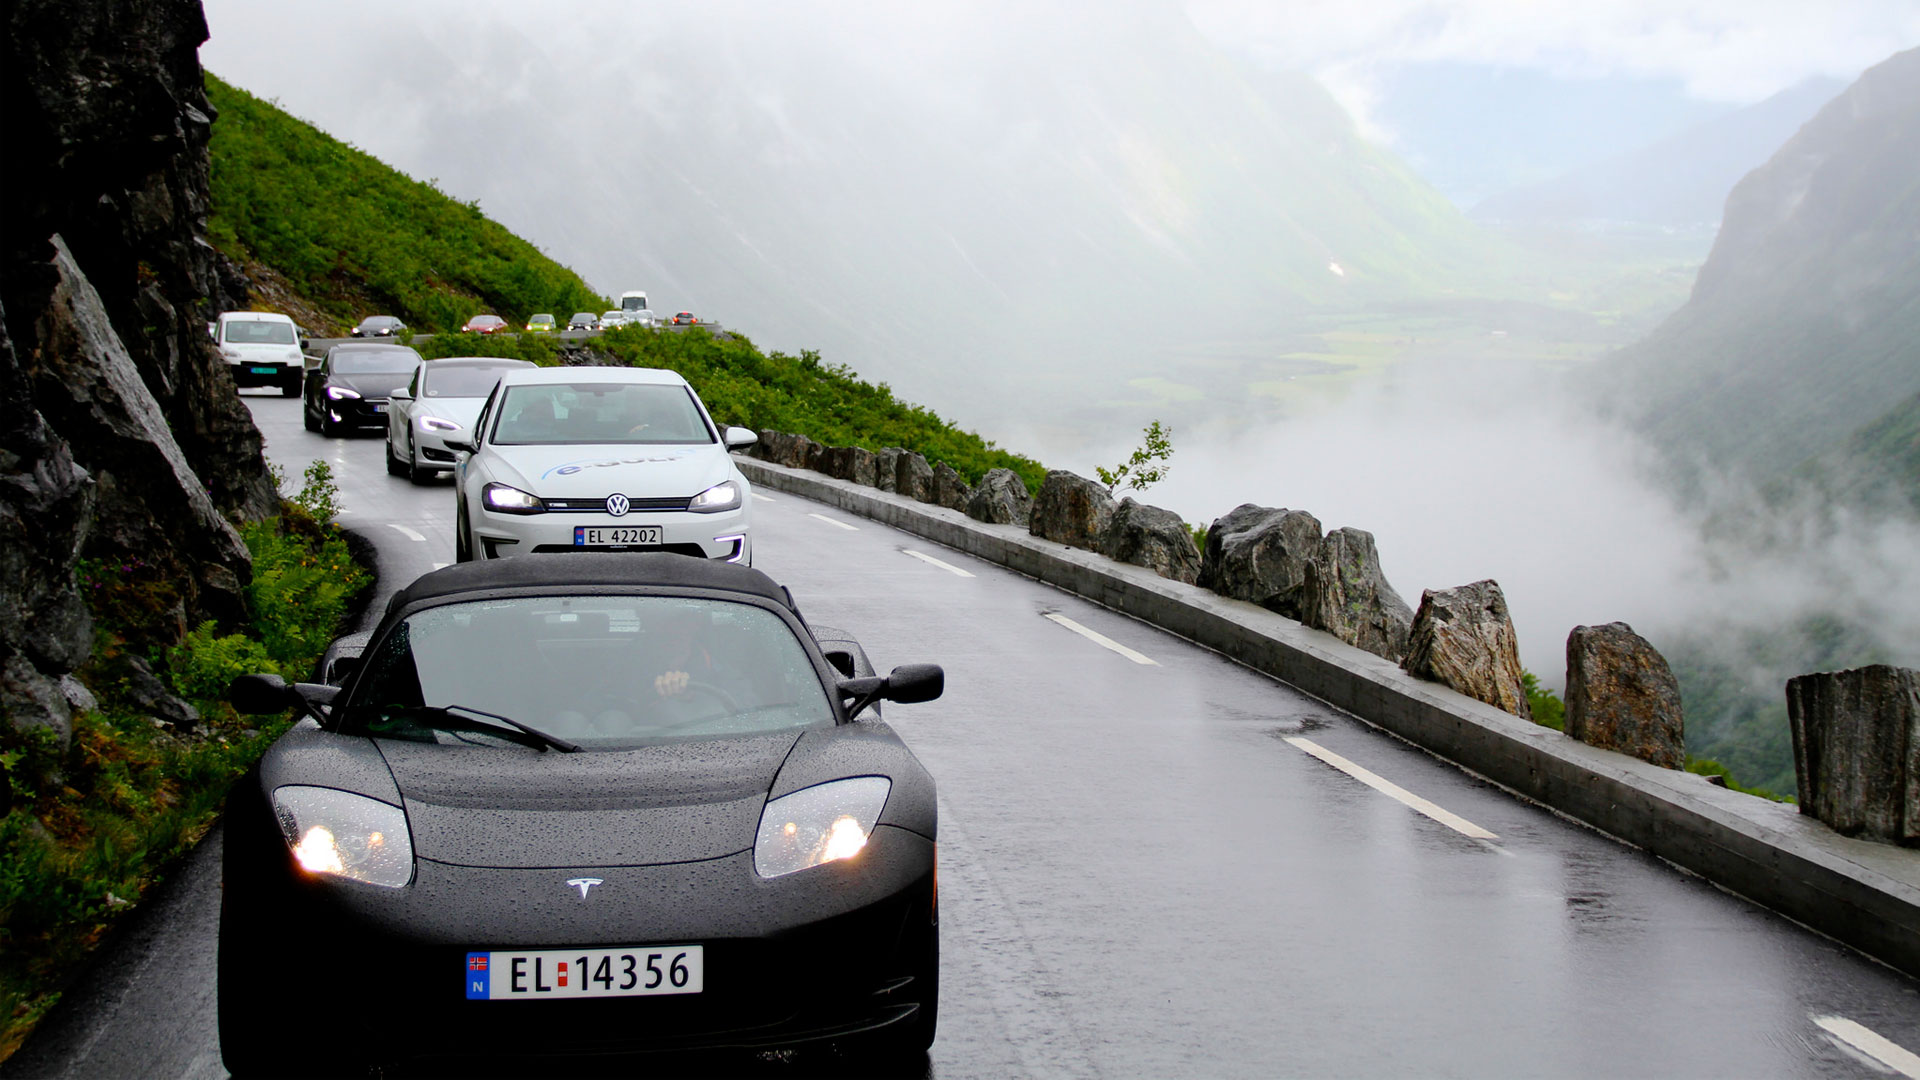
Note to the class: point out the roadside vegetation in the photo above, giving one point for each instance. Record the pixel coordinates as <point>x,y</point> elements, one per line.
<point>356,237</point>
<point>90,827</point>
<point>828,403</point>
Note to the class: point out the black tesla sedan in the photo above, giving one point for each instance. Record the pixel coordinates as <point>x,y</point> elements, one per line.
<point>350,386</point>
<point>581,804</point>
<point>379,326</point>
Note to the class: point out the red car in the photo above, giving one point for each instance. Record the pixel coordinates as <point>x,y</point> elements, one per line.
<point>685,318</point>
<point>484,324</point>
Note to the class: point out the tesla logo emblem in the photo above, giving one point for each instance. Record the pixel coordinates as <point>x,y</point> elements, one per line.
<point>617,505</point>
<point>583,884</point>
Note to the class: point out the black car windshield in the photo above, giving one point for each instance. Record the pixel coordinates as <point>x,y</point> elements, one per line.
<point>369,362</point>
<point>582,316</point>
<point>258,332</point>
<point>605,672</point>
<point>599,414</point>
<point>441,382</point>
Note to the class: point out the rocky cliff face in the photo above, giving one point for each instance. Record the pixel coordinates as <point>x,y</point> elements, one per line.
<point>121,437</point>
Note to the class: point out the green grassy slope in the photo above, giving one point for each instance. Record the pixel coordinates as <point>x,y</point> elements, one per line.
<point>356,238</point>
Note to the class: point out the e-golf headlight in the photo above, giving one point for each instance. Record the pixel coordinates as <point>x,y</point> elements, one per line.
<point>502,499</point>
<point>345,835</point>
<point>722,496</point>
<point>818,824</point>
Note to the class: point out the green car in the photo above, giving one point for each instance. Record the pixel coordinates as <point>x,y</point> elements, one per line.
<point>541,324</point>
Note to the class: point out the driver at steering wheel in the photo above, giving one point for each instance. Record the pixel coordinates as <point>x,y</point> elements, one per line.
<point>686,656</point>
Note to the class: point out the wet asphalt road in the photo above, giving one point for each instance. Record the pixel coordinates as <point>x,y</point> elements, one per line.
<point>1143,876</point>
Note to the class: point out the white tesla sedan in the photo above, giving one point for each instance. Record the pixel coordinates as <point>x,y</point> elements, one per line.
<point>599,459</point>
<point>443,397</point>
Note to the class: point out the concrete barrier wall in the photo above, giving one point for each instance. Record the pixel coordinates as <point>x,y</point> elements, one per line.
<point>1861,893</point>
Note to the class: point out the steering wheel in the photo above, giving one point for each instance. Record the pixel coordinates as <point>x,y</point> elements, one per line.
<point>725,700</point>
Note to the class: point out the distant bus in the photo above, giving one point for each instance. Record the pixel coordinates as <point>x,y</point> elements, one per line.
<point>633,301</point>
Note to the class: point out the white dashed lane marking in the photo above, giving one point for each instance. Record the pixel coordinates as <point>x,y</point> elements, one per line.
<point>406,532</point>
<point>1101,640</point>
<point>930,560</point>
<point>830,521</point>
<point>1873,1044</point>
<point>1392,790</point>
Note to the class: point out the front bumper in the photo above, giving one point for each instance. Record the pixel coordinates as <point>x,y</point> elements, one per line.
<point>356,412</point>
<point>726,536</point>
<point>826,953</point>
<point>265,373</point>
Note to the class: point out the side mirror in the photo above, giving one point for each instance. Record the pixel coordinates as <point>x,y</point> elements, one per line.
<point>266,694</point>
<point>342,669</point>
<point>842,661</point>
<point>907,684</point>
<point>306,344</point>
<point>400,395</point>
<point>461,445</point>
<point>737,437</point>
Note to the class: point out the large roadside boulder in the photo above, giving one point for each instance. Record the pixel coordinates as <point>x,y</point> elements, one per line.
<point>812,455</point>
<point>1151,537</point>
<point>913,477</point>
<point>1855,753</point>
<point>1070,510</point>
<point>774,446</point>
<point>1000,499</point>
<point>1621,695</point>
<point>1344,592</point>
<point>949,490</point>
<point>886,465</point>
<point>1463,638</point>
<point>853,463</point>
<point>1260,554</point>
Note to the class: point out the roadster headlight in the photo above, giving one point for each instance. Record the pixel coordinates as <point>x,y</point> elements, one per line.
<point>340,393</point>
<point>722,496</point>
<point>818,824</point>
<point>434,423</point>
<point>345,835</point>
<point>511,500</point>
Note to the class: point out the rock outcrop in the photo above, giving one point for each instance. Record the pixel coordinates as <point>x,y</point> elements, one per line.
<point>1070,510</point>
<point>1855,753</point>
<point>886,465</point>
<point>1621,695</point>
<point>1151,537</point>
<point>1001,498</point>
<point>1260,554</point>
<point>851,463</point>
<point>949,490</point>
<point>1463,638</point>
<point>1344,592</point>
<point>913,477</point>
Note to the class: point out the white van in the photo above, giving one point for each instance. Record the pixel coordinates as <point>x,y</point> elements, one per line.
<point>262,349</point>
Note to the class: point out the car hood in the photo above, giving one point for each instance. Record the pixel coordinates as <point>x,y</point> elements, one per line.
<point>372,384</point>
<point>593,472</point>
<point>518,808</point>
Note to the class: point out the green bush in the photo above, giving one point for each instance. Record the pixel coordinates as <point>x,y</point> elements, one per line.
<point>539,349</point>
<point>205,661</point>
<point>1548,709</point>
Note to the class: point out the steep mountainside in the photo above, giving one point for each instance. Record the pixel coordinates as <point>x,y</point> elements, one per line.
<point>1679,181</point>
<point>354,237</point>
<point>1804,324</point>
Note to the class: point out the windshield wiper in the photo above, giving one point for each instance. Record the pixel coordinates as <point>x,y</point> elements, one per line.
<point>445,712</point>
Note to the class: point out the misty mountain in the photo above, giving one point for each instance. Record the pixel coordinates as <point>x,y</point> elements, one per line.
<point>1681,180</point>
<point>1801,340</point>
<point>917,192</point>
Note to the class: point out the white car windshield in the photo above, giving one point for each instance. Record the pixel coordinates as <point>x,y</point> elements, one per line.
<point>601,671</point>
<point>258,332</point>
<point>575,413</point>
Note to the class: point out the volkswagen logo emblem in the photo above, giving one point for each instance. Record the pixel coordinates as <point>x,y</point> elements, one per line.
<point>617,505</point>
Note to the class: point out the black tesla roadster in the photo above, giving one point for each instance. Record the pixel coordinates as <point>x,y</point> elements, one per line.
<point>581,804</point>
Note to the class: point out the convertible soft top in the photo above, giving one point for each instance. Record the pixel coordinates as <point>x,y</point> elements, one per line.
<point>588,568</point>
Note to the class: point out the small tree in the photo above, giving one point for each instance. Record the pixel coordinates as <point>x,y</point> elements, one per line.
<point>1147,465</point>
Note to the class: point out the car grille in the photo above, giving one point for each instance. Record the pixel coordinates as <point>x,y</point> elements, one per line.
<point>599,505</point>
<point>694,550</point>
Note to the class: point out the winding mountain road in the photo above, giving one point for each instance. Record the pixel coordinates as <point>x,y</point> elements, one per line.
<point>1155,862</point>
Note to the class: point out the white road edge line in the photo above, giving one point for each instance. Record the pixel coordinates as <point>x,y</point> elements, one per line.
<point>1101,640</point>
<point>1873,1044</point>
<point>763,498</point>
<point>947,566</point>
<point>406,532</point>
<point>830,521</point>
<point>1394,791</point>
